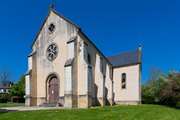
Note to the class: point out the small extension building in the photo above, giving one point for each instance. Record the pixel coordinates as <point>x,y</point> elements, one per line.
<point>65,68</point>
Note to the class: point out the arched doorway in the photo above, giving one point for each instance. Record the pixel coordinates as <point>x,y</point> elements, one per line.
<point>53,90</point>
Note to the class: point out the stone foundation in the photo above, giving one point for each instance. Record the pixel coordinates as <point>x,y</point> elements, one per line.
<point>108,102</point>
<point>70,101</point>
<point>89,101</point>
<point>83,101</point>
<point>128,102</point>
<point>33,101</point>
<point>101,101</point>
<point>41,100</point>
<point>37,101</point>
<point>61,101</point>
<point>27,100</point>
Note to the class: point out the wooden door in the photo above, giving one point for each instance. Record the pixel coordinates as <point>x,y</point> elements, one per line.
<point>53,90</point>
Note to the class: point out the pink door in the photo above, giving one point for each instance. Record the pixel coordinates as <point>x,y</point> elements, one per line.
<point>53,90</point>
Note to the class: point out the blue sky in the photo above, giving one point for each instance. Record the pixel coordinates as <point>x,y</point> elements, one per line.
<point>115,26</point>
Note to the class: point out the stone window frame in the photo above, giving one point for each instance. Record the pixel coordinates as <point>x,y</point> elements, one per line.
<point>52,52</point>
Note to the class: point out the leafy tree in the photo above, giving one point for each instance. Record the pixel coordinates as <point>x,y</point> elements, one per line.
<point>171,93</point>
<point>18,88</point>
<point>149,90</point>
<point>163,89</point>
<point>148,94</point>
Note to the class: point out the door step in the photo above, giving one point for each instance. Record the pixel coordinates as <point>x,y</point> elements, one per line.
<point>50,104</point>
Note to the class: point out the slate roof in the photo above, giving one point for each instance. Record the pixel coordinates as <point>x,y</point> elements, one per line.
<point>125,59</point>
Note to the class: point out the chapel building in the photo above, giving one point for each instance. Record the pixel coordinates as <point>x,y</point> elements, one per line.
<point>65,68</point>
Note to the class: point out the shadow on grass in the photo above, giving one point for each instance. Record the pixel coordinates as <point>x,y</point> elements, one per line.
<point>6,110</point>
<point>170,106</point>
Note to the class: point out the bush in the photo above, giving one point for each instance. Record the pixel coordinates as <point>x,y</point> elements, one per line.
<point>3,100</point>
<point>163,90</point>
<point>18,100</point>
<point>178,104</point>
<point>147,95</point>
<point>5,95</point>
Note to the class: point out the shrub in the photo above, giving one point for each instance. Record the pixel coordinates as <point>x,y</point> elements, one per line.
<point>178,104</point>
<point>147,94</point>
<point>163,90</point>
<point>3,100</point>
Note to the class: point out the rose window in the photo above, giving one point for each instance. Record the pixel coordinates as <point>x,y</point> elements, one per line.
<point>52,52</point>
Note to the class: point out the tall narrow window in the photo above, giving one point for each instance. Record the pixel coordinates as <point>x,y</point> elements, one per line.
<point>90,80</point>
<point>89,58</point>
<point>123,85</point>
<point>110,72</point>
<point>101,65</point>
<point>85,52</point>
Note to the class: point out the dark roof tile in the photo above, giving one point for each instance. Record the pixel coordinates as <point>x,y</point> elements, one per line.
<point>125,59</point>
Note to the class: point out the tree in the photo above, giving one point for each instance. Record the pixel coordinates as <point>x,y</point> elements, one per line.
<point>18,88</point>
<point>5,77</point>
<point>165,89</point>
<point>149,90</point>
<point>171,93</point>
<point>148,94</point>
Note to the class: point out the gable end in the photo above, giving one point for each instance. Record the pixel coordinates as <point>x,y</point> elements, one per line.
<point>51,10</point>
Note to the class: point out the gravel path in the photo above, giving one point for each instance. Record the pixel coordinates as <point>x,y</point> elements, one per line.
<point>24,108</point>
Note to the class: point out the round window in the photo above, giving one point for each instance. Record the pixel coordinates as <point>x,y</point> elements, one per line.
<point>51,28</point>
<point>52,52</point>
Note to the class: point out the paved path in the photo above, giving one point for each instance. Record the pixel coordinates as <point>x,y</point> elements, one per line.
<point>24,108</point>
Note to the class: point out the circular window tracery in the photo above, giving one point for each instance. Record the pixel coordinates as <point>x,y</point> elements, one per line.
<point>51,28</point>
<point>52,52</point>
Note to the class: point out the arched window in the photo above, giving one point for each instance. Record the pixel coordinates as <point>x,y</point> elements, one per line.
<point>89,58</point>
<point>123,81</point>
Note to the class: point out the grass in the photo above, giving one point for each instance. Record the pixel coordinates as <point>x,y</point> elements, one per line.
<point>142,112</point>
<point>11,104</point>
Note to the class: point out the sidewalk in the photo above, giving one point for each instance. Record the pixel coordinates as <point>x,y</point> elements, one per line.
<point>24,108</point>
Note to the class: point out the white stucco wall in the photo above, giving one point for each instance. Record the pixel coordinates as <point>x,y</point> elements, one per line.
<point>27,83</point>
<point>63,32</point>
<point>30,63</point>
<point>71,50</point>
<point>131,92</point>
<point>108,83</point>
<point>82,69</point>
<point>97,84</point>
<point>68,80</point>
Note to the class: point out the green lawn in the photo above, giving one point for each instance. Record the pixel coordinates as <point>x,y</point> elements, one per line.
<point>10,104</point>
<point>142,112</point>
